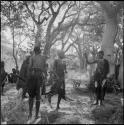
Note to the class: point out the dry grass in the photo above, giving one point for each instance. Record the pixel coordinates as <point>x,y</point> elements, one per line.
<point>111,112</point>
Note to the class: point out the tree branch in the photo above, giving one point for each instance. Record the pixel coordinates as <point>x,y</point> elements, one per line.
<point>32,16</point>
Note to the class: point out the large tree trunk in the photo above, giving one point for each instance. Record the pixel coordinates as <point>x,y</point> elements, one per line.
<point>38,36</point>
<point>80,54</point>
<point>110,31</point>
<point>81,61</point>
<point>15,58</point>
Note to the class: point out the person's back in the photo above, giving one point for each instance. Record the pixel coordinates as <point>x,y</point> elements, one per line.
<point>35,74</point>
<point>23,73</point>
<point>59,68</point>
<point>38,61</point>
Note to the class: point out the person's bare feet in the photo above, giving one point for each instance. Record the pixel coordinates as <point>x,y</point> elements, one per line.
<point>30,119</point>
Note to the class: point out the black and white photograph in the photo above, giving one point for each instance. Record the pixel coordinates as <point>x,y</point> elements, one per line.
<point>62,62</point>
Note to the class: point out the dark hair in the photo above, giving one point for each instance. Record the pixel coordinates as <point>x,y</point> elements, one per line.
<point>61,54</point>
<point>37,49</point>
<point>27,59</point>
<point>13,70</point>
<point>101,52</point>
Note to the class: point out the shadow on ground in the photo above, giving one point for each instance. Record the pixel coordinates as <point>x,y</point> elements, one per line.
<point>111,112</point>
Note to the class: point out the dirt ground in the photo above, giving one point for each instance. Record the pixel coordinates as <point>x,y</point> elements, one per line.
<point>79,111</point>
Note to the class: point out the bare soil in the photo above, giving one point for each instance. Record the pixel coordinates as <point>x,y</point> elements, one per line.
<point>79,111</point>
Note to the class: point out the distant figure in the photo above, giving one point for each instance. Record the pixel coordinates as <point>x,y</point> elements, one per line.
<point>13,76</point>
<point>3,76</point>
<point>99,75</point>
<point>58,86</point>
<point>36,72</point>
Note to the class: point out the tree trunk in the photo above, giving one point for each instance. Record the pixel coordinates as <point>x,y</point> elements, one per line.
<point>110,32</point>
<point>80,55</point>
<point>38,36</point>
<point>15,59</point>
<point>81,62</point>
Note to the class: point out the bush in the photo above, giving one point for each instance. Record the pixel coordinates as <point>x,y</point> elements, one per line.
<point>112,85</point>
<point>117,117</point>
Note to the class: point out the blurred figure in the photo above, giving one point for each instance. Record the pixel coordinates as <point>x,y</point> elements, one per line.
<point>100,76</point>
<point>21,83</point>
<point>58,86</point>
<point>3,76</point>
<point>35,75</point>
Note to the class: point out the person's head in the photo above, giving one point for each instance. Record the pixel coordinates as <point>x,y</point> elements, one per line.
<point>37,50</point>
<point>27,59</point>
<point>61,54</point>
<point>100,54</point>
<point>13,70</point>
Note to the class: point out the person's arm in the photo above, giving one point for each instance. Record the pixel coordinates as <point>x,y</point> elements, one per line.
<point>29,65</point>
<point>95,61</point>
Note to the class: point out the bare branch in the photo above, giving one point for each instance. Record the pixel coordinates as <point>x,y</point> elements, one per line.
<point>50,5</point>
<point>40,12</point>
<point>68,47</point>
<point>60,5</point>
<point>32,15</point>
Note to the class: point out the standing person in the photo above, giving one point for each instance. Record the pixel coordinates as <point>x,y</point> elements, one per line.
<point>99,76</point>
<point>58,87</point>
<point>35,78</point>
<point>23,74</point>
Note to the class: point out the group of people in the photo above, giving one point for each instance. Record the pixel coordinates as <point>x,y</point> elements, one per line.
<point>7,77</point>
<point>33,74</point>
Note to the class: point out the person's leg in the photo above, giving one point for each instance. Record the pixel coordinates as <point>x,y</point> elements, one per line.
<point>63,91</point>
<point>101,95</point>
<point>31,92</point>
<point>53,91</point>
<point>38,95</point>
<point>104,92</point>
<point>24,93</point>
<point>97,95</point>
<point>59,99</point>
<point>31,101</point>
<point>37,108</point>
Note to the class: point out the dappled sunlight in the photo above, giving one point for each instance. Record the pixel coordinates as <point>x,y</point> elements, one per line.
<point>80,40</point>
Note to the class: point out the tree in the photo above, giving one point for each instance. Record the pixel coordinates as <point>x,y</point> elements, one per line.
<point>12,17</point>
<point>111,14</point>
